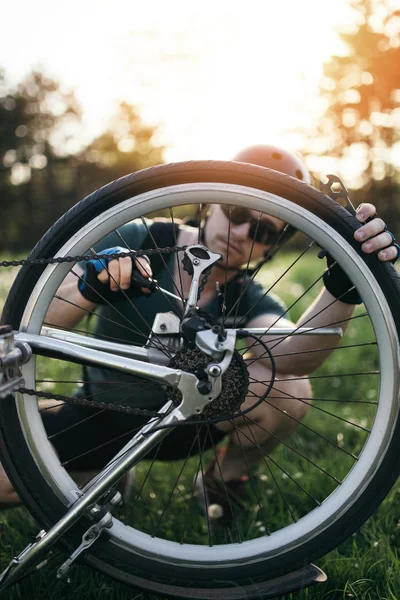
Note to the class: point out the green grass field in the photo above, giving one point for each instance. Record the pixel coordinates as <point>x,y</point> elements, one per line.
<point>365,567</point>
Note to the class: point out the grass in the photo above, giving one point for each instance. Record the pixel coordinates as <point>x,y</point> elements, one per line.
<point>365,567</point>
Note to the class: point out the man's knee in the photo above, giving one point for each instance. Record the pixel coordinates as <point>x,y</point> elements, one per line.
<point>293,395</point>
<point>288,392</point>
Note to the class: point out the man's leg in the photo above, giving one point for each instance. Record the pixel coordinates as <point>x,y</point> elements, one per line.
<point>8,496</point>
<point>52,410</point>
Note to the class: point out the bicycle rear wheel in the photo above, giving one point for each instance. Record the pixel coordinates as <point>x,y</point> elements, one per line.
<point>307,495</point>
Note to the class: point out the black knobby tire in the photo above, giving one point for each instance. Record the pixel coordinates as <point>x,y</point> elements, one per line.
<point>143,571</point>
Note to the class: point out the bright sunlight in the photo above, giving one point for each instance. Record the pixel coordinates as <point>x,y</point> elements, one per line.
<point>215,77</point>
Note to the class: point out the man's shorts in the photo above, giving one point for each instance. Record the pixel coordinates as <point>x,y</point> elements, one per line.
<point>87,439</point>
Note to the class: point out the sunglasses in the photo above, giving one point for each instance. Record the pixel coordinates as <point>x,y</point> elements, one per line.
<point>262,232</point>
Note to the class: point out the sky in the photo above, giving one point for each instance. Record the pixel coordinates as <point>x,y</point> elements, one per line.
<point>214,76</point>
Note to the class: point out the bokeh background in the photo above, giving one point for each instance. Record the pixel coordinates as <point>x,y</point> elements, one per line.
<point>91,91</point>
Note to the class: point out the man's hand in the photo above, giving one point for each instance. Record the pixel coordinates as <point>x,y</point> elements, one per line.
<point>375,238</point>
<point>374,235</point>
<point>104,278</point>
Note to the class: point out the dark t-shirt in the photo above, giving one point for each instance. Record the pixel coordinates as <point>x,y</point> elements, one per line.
<point>131,321</point>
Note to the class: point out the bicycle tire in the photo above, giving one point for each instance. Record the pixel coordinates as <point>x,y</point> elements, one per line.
<point>180,577</point>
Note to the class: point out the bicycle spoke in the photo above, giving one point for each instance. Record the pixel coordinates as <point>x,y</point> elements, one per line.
<point>125,243</point>
<point>284,471</point>
<point>218,465</point>
<point>91,417</point>
<point>199,221</point>
<point>326,412</point>
<point>353,318</point>
<point>261,263</point>
<point>99,412</point>
<point>93,333</point>
<point>330,349</point>
<point>337,400</point>
<point>134,307</point>
<point>334,375</point>
<point>281,338</point>
<point>345,401</point>
<point>223,308</point>
<point>242,289</point>
<point>201,470</point>
<point>243,317</point>
<point>131,432</point>
<point>153,461</point>
<point>283,412</point>
<point>108,320</point>
<point>327,376</point>
<point>173,488</point>
<point>167,269</point>
<point>303,324</point>
<point>282,495</point>
<point>303,425</point>
<point>256,494</point>
<point>295,451</point>
<point>177,260</point>
<point>130,249</point>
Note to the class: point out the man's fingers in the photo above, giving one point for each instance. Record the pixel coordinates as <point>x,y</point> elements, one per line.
<point>365,211</point>
<point>103,276</point>
<point>110,274</point>
<point>373,228</point>
<point>143,266</point>
<point>374,236</point>
<point>118,273</point>
<point>125,272</point>
<point>388,254</point>
<point>114,272</point>
<point>376,243</point>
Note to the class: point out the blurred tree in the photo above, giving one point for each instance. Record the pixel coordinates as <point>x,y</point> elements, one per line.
<point>43,168</point>
<point>360,124</point>
<point>37,124</point>
<point>126,146</point>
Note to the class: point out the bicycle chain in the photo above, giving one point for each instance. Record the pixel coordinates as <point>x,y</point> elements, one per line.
<point>69,259</point>
<point>87,257</point>
<point>204,280</point>
<point>91,403</point>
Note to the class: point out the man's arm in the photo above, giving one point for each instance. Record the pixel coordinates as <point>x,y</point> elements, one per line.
<point>69,306</point>
<point>302,354</point>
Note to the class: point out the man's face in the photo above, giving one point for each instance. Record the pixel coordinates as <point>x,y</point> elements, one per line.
<point>240,234</point>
